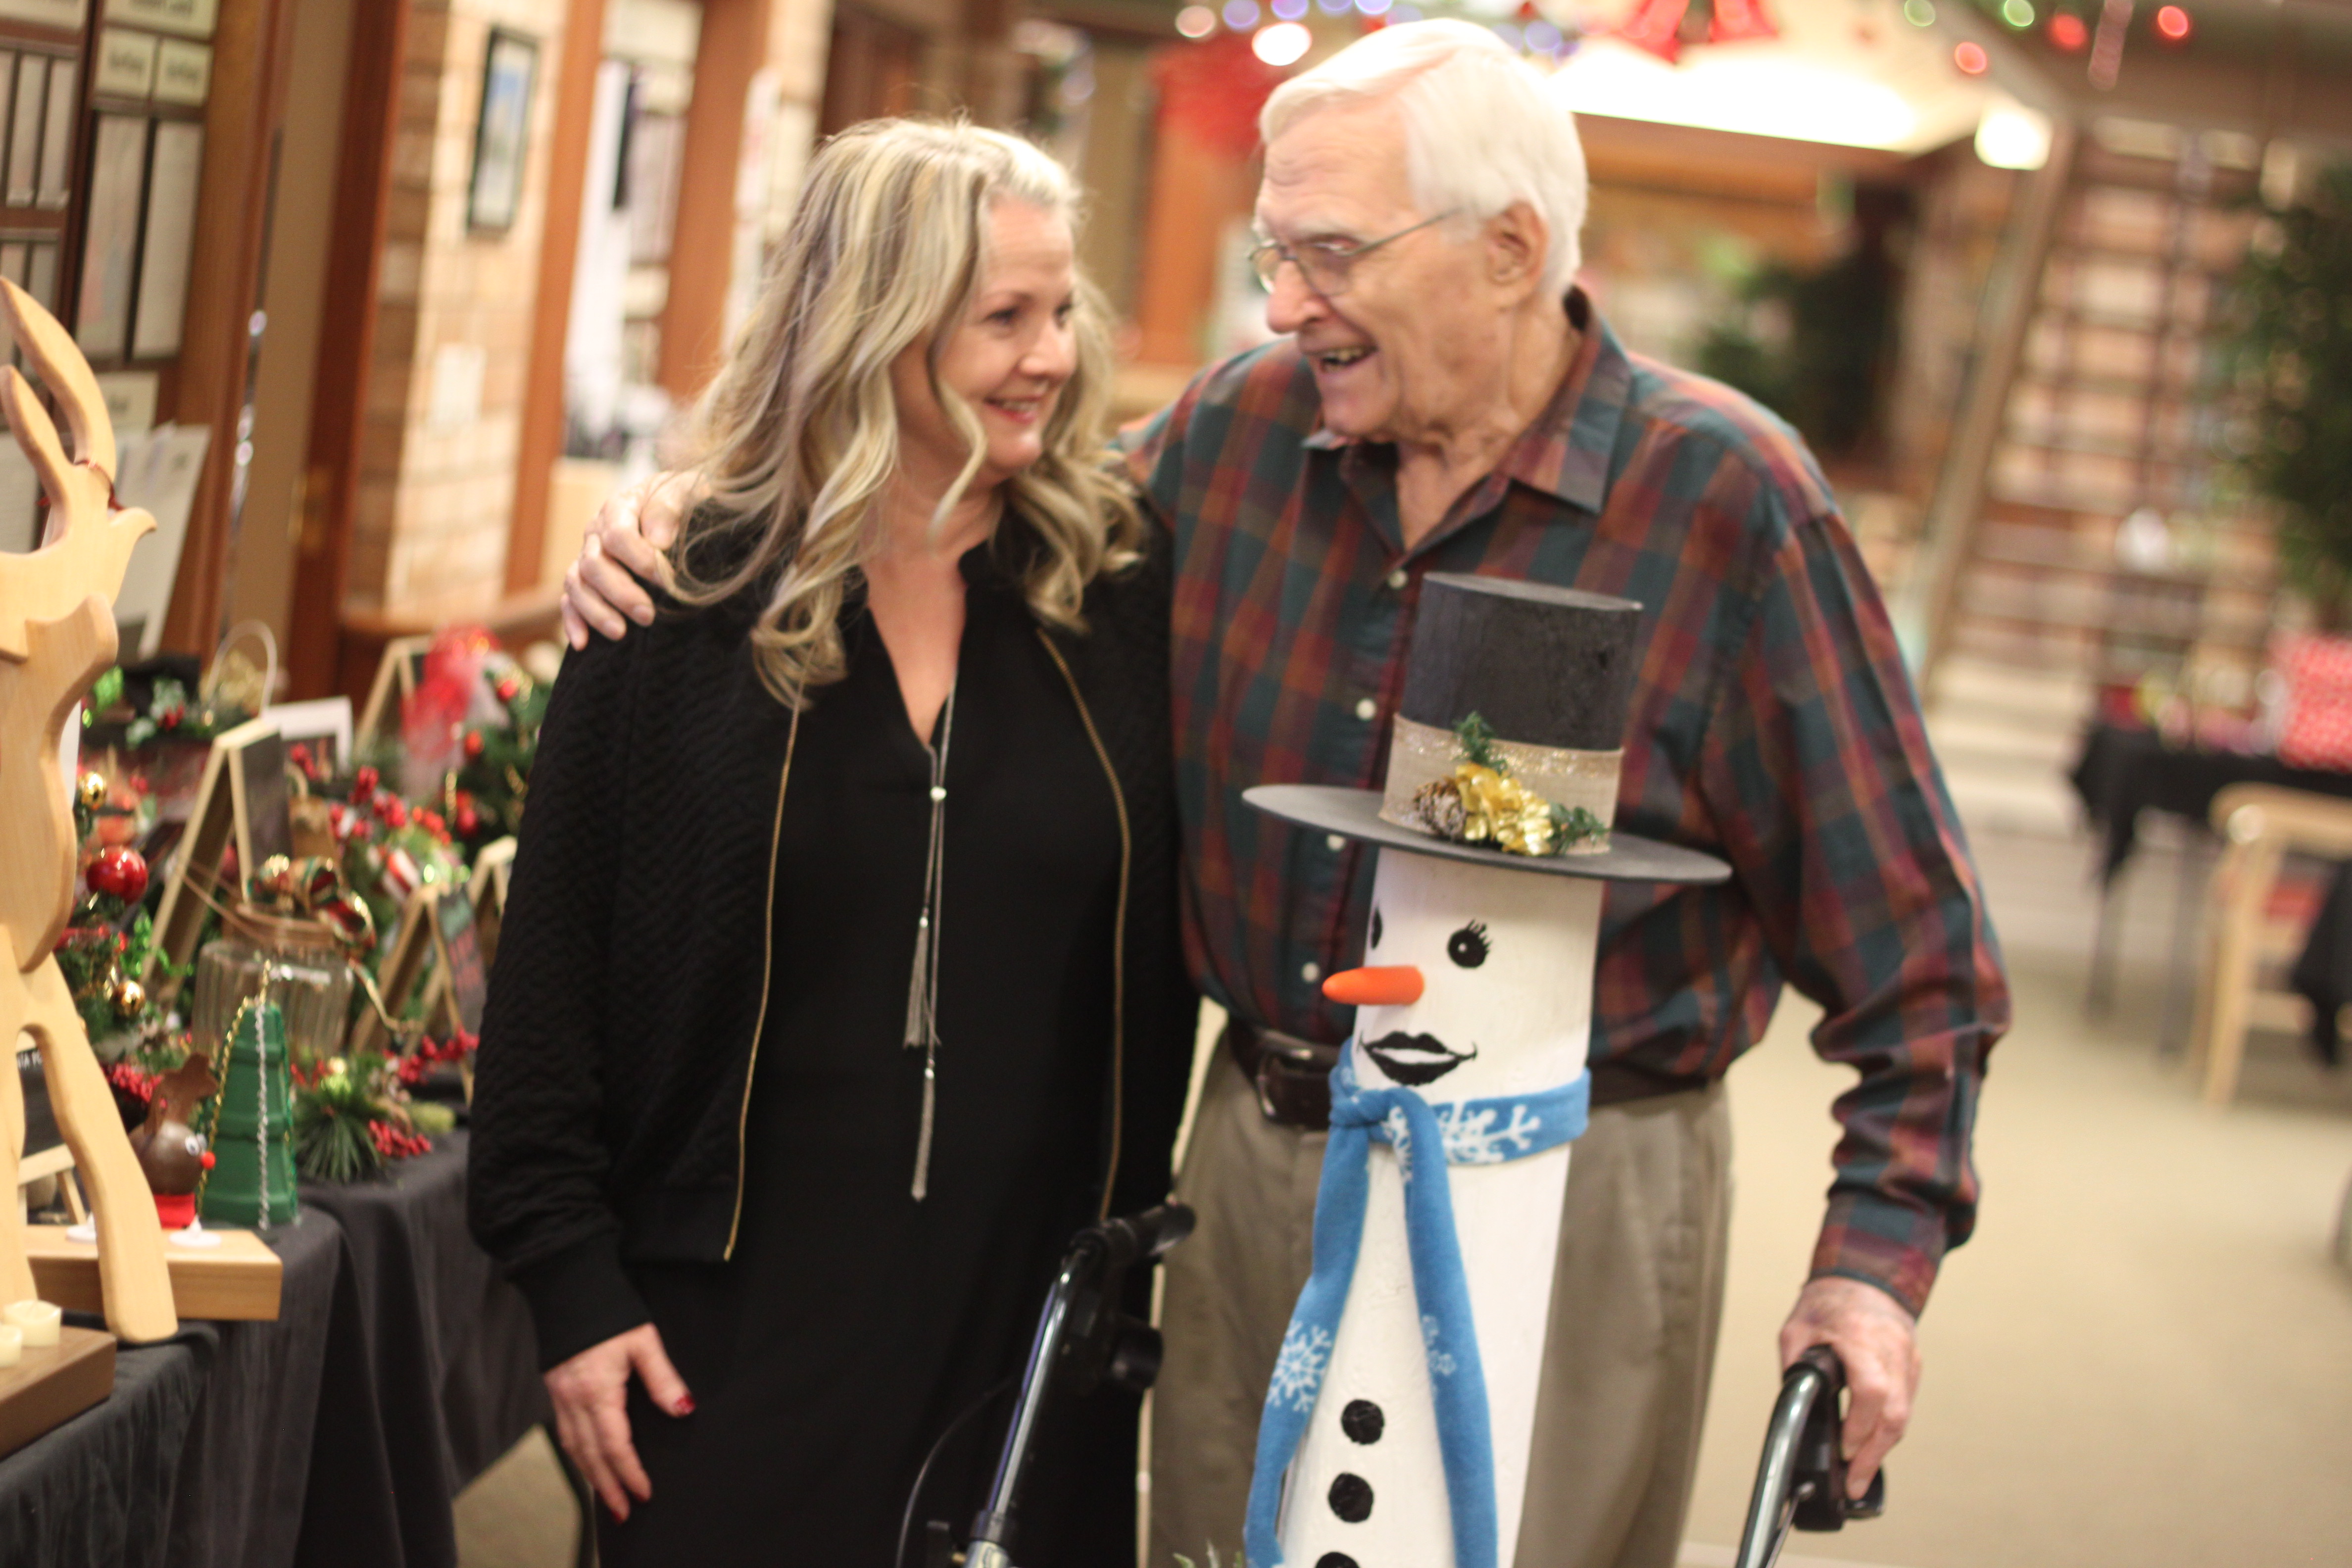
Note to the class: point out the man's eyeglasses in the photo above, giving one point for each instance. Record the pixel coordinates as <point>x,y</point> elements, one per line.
<point>1325,264</point>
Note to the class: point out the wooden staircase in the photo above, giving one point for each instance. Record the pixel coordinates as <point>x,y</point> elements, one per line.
<point>2113,410</point>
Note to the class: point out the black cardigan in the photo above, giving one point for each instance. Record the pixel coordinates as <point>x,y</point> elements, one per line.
<point>609,1090</point>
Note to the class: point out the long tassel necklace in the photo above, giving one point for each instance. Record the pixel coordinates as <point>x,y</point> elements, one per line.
<point>923,985</point>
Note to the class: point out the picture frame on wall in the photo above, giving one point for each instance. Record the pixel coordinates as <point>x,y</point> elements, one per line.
<point>502,133</point>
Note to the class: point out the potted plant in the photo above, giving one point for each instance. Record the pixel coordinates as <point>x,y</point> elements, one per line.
<point>2293,305</point>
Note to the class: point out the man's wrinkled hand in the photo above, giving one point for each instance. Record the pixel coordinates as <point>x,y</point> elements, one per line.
<point>622,550</point>
<point>1878,1340</point>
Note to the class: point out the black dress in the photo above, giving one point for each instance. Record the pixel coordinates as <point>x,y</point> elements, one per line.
<point>854,1324</point>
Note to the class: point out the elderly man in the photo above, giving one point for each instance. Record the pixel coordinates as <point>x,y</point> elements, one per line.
<point>1444,399</point>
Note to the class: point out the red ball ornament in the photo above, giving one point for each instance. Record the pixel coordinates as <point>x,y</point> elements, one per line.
<point>473,745</point>
<point>507,688</point>
<point>120,872</point>
<point>468,821</point>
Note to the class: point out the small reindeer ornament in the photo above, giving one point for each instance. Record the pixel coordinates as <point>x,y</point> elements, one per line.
<point>1397,1429</point>
<point>57,636</point>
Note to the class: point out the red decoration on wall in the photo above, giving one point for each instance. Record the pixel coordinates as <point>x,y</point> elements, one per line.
<point>1657,26</point>
<point>1739,22</point>
<point>1214,90</point>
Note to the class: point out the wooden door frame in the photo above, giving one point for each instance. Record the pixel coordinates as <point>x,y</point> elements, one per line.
<point>251,48</point>
<point>542,440</point>
<point>347,329</point>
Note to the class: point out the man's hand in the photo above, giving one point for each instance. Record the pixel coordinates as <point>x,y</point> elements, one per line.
<point>591,1393</point>
<point>1879,1344</point>
<point>624,543</point>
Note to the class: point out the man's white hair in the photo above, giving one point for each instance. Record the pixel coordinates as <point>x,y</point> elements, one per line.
<point>1483,128</point>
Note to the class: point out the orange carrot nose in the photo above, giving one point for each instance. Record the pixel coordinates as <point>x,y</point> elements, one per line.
<point>1390,986</point>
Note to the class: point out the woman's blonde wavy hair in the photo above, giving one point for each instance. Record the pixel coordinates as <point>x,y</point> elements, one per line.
<point>799,433</point>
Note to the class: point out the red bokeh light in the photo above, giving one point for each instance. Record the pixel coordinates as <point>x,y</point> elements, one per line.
<point>2172,22</point>
<point>2067,31</point>
<point>1970,58</point>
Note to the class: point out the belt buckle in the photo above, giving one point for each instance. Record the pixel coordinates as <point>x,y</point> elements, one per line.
<point>1288,1066</point>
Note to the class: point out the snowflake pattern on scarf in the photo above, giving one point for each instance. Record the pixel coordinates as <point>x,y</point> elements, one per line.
<point>1298,1370</point>
<point>1472,1139</point>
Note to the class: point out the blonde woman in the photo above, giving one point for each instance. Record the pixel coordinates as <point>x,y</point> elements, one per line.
<point>840,982</point>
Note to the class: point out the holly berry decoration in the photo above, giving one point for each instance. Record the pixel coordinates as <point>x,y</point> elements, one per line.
<point>120,873</point>
<point>473,745</point>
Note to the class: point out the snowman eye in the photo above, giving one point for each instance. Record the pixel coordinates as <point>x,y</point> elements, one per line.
<point>1376,927</point>
<point>1468,947</point>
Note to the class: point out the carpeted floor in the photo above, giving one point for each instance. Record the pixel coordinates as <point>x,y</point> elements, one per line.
<point>2144,1359</point>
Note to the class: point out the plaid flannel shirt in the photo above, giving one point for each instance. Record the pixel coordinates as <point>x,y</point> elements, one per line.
<point>1772,724</point>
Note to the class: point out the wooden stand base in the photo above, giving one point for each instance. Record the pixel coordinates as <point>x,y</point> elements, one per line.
<point>237,1279</point>
<point>54,1383</point>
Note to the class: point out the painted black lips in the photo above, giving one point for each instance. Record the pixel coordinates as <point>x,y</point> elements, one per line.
<point>1416,1059</point>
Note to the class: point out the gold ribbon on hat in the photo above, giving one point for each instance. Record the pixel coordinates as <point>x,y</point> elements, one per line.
<point>1466,785</point>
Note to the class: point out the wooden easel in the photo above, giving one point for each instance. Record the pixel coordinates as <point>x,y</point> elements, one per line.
<point>57,636</point>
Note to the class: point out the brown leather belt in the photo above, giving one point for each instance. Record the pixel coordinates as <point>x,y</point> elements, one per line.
<point>1293,1089</point>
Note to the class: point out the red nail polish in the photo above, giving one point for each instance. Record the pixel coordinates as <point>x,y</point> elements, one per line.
<point>685,1406</point>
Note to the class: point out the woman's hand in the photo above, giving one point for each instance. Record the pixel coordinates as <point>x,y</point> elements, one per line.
<point>624,543</point>
<point>591,1393</point>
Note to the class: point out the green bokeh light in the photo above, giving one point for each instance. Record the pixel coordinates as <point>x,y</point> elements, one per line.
<point>1918,12</point>
<point>2017,13</point>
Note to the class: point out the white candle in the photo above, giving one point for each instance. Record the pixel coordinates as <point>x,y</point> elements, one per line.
<point>36,1321</point>
<point>12,1344</point>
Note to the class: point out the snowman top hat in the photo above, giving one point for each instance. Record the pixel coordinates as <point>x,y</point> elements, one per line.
<point>1506,745</point>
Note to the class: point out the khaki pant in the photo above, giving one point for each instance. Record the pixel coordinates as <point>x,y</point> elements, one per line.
<point>1636,1302</point>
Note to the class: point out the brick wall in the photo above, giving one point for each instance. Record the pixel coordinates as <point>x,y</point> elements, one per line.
<point>436,475</point>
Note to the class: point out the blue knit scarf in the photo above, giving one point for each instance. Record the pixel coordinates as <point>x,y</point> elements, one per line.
<point>1469,1132</point>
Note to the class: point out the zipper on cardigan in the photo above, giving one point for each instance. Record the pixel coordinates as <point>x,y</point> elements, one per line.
<point>1118,928</point>
<point>767,972</point>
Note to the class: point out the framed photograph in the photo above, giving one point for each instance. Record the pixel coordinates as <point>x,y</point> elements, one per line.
<point>464,976</point>
<point>502,134</point>
<point>322,724</point>
<point>493,869</point>
<point>404,966</point>
<point>396,675</point>
<point>242,800</point>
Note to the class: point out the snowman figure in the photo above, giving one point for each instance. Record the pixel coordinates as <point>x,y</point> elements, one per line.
<point>1397,1427</point>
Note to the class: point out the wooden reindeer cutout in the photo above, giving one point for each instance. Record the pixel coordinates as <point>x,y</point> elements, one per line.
<point>57,636</point>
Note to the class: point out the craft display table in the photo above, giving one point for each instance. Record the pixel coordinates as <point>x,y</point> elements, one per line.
<point>399,1368</point>
<point>2123,772</point>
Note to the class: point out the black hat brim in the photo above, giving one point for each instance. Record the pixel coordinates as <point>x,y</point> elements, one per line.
<point>1355,814</point>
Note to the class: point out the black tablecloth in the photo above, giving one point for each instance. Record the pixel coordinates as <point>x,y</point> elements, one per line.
<point>97,1492</point>
<point>2125,771</point>
<point>399,1367</point>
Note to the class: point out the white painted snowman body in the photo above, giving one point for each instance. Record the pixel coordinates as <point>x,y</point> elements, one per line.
<point>1506,959</point>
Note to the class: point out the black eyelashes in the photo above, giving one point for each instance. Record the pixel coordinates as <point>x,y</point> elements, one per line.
<point>1469,947</point>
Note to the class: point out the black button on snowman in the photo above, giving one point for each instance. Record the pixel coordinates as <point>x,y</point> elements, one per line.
<point>1397,1427</point>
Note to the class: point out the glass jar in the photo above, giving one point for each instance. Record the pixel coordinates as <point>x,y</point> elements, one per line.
<point>307,978</point>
